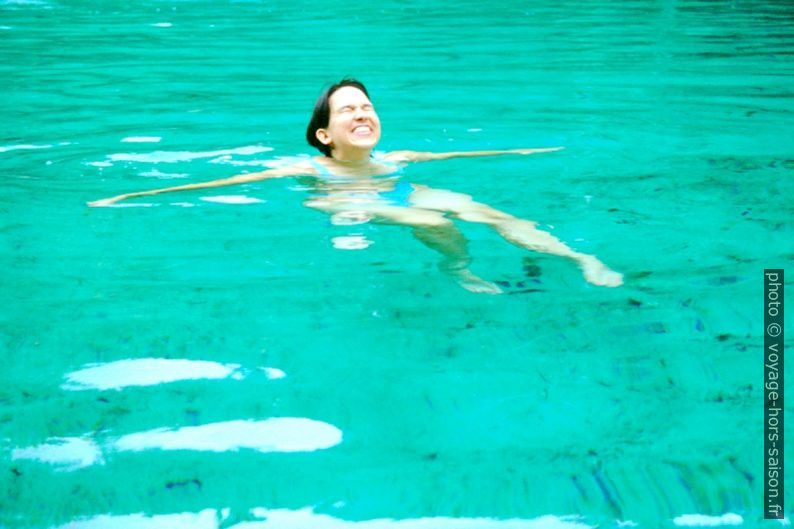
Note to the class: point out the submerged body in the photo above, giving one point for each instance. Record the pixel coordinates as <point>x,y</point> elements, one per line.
<point>353,186</point>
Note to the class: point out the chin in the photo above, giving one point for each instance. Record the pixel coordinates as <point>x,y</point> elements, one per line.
<point>366,143</point>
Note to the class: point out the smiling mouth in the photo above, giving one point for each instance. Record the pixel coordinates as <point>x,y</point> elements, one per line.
<point>362,130</point>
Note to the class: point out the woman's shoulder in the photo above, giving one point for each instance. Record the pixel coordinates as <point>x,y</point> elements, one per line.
<point>397,157</point>
<point>320,166</point>
<point>299,166</point>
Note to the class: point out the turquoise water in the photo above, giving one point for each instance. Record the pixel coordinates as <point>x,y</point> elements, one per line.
<point>227,358</point>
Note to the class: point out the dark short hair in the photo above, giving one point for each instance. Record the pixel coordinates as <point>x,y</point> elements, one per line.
<point>322,113</point>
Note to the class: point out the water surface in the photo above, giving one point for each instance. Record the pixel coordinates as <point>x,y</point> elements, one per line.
<point>223,358</point>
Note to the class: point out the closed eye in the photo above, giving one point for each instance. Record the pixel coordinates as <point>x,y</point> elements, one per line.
<point>350,108</point>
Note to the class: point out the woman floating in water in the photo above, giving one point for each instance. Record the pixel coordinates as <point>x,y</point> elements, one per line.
<point>351,187</point>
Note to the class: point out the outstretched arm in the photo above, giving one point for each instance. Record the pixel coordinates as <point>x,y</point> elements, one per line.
<point>416,156</point>
<point>293,170</point>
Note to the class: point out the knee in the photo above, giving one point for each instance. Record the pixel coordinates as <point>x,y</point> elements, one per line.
<point>438,222</point>
<point>426,219</point>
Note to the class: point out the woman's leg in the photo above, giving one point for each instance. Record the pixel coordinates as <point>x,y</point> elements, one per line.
<point>520,232</point>
<point>450,242</point>
<point>431,228</point>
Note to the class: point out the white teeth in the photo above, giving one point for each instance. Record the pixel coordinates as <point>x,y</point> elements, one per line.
<point>363,129</point>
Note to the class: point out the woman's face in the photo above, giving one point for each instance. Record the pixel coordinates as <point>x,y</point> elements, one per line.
<point>353,125</point>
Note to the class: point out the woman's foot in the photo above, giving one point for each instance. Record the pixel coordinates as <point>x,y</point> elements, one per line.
<point>598,273</point>
<point>474,283</point>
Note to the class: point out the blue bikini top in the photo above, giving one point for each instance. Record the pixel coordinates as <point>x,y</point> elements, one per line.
<point>398,196</point>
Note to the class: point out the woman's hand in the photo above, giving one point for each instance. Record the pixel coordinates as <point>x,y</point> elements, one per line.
<point>535,151</point>
<point>106,201</point>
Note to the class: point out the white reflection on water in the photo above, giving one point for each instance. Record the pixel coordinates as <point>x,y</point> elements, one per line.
<point>141,139</point>
<point>232,199</point>
<point>279,434</point>
<point>352,242</point>
<point>184,156</point>
<point>206,519</point>
<point>261,518</point>
<point>273,373</point>
<point>702,520</point>
<point>282,434</point>
<point>70,453</point>
<point>6,148</point>
<point>145,372</point>
<point>289,519</point>
<point>306,518</point>
<point>163,176</point>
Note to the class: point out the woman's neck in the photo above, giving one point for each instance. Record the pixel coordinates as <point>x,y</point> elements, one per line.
<point>357,158</point>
